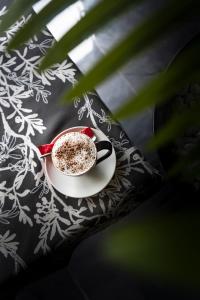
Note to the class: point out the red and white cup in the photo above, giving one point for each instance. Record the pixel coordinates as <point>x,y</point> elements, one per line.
<point>48,149</point>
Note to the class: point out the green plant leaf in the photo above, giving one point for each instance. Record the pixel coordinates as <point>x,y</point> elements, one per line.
<point>166,248</point>
<point>137,41</point>
<point>175,127</point>
<point>37,21</point>
<point>164,85</point>
<point>94,19</point>
<point>15,11</point>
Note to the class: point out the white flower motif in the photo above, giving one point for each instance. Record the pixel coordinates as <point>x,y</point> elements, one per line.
<point>54,217</point>
<point>8,148</point>
<point>9,247</point>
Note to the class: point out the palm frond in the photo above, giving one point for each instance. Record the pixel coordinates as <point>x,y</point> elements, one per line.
<point>15,11</point>
<point>178,123</point>
<point>94,19</point>
<point>38,21</point>
<point>158,24</point>
<point>164,85</point>
<point>139,39</point>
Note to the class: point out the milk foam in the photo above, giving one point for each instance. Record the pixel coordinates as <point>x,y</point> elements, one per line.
<point>74,153</point>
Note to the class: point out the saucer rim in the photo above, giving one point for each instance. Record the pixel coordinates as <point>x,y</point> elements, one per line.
<point>46,161</point>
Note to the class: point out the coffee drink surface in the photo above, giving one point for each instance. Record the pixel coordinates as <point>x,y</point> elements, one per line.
<point>74,153</point>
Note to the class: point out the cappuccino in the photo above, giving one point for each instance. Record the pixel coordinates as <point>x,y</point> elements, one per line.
<point>74,153</point>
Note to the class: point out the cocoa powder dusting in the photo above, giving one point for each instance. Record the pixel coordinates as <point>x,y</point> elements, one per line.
<point>75,155</point>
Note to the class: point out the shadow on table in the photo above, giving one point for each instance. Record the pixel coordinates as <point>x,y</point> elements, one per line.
<point>42,269</point>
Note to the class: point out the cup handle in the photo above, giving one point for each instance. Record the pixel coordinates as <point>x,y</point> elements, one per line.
<point>103,145</point>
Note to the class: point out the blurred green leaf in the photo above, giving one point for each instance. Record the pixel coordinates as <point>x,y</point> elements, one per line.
<point>167,248</point>
<point>170,15</point>
<point>164,85</point>
<point>137,41</point>
<point>178,123</point>
<point>94,19</point>
<point>15,11</point>
<point>37,21</point>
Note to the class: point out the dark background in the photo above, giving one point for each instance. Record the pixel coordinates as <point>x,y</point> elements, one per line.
<point>90,275</point>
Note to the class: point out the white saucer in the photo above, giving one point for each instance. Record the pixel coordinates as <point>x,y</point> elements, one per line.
<point>85,185</point>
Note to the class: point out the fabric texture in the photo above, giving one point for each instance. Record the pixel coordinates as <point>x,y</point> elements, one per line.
<point>35,219</point>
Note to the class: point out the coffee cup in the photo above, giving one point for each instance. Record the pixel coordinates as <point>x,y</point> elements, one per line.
<point>75,153</point>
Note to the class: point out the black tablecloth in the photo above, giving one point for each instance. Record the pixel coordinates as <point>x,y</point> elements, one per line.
<point>35,219</point>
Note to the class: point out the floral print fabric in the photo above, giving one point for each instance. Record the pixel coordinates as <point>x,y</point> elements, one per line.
<point>34,217</point>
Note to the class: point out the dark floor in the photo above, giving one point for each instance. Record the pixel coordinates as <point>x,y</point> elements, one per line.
<point>98,278</point>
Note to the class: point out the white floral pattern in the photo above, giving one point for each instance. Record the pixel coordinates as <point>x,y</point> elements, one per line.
<point>26,199</point>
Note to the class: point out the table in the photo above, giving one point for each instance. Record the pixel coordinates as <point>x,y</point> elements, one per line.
<point>36,221</point>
